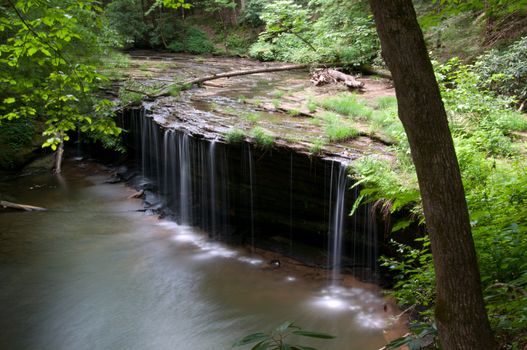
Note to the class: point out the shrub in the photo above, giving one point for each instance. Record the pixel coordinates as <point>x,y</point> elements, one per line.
<point>505,71</point>
<point>192,40</point>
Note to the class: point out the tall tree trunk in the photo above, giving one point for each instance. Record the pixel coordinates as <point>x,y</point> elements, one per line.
<point>460,312</point>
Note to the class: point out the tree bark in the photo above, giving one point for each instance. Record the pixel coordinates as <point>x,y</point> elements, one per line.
<point>59,153</point>
<point>460,312</point>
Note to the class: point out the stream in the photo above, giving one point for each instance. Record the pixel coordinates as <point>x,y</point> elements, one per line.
<point>93,272</point>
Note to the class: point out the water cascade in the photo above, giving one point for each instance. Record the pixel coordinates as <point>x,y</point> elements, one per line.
<point>339,186</point>
<point>281,200</point>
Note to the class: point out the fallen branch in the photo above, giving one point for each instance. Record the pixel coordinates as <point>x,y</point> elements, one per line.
<point>245,72</point>
<point>231,74</point>
<point>17,206</point>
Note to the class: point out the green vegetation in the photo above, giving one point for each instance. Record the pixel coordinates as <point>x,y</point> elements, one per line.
<point>48,73</point>
<point>311,105</point>
<point>262,138</point>
<point>56,56</point>
<point>235,135</point>
<point>322,31</point>
<point>251,117</point>
<point>276,340</point>
<point>347,105</point>
<point>337,129</point>
<point>317,146</point>
<point>493,169</point>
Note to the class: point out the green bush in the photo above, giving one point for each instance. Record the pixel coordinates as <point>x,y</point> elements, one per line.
<point>191,40</point>
<point>125,16</point>
<point>505,71</point>
<point>319,32</point>
<point>494,174</point>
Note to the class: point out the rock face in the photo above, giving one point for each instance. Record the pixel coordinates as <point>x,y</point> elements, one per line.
<point>273,197</point>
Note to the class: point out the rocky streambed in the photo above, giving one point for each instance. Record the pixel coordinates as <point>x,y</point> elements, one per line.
<point>283,105</point>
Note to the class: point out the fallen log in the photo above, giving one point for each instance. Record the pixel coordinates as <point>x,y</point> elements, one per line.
<point>17,206</point>
<point>328,76</point>
<point>235,73</point>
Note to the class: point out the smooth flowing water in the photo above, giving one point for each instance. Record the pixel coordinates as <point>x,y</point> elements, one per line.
<point>94,273</point>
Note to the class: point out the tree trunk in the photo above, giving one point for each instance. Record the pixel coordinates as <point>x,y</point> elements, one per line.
<point>59,153</point>
<point>460,312</point>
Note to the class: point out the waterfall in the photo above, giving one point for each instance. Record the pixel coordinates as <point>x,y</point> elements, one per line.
<point>251,195</point>
<point>245,194</point>
<point>338,188</point>
<point>185,192</point>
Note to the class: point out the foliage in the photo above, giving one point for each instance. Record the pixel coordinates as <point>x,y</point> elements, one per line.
<point>191,40</point>
<point>348,105</point>
<point>46,66</point>
<point>251,13</point>
<point>505,71</point>
<point>317,146</point>
<point>276,340</point>
<point>337,129</point>
<point>414,274</point>
<point>493,168</point>
<point>262,138</point>
<point>317,32</point>
<point>251,117</point>
<point>146,23</point>
<point>125,17</point>
<point>15,136</point>
<point>235,136</point>
<point>423,336</point>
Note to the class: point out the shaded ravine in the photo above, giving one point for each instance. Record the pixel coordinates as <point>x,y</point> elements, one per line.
<point>93,273</point>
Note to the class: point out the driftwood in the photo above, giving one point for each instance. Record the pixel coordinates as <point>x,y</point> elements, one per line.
<point>329,76</point>
<point>17,206</point>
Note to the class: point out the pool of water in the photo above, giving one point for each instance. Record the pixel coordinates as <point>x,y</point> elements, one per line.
<point>93,272</point>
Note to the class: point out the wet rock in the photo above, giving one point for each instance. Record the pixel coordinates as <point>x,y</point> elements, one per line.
<point>39,166</point>
<point>152,200</point>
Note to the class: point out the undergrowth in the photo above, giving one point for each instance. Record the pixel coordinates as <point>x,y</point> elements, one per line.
<point>494,171</point>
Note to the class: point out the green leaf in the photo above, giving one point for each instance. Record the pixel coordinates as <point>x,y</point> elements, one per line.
<point>401,224</point>
<point>313,334</point>
<point>263,345</point>
<point>45,51</point>
<point>284,327</point>
<point>252,338</point>
<point>9,100</point>
<point>31,51</point>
